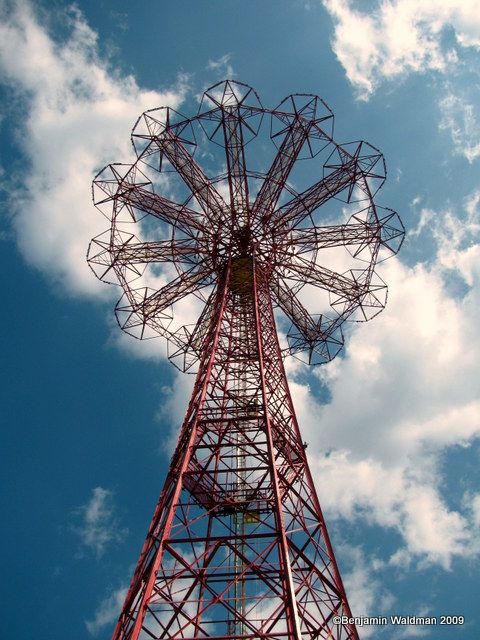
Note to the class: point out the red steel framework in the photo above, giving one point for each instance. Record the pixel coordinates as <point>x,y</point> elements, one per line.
<point>238,547</point>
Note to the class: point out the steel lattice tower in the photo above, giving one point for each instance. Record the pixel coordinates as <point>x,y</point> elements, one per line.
<point>238,546</point>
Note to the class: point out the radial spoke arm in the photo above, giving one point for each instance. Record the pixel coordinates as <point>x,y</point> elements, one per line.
<point>154,304</point>
<point>296,210</point>
<point>278,173</point>
<point>294,310</point>
<point>237,176</point>
<point>125,255</point>
<point>191,341</point>
<point>204,191</point>
<point>178,288</point>
<point>147,252</point>
<point>318,336</point>
<point>198,334</point>
<point>307,272</point>
<point>160,207</point>
<point>312,238</point>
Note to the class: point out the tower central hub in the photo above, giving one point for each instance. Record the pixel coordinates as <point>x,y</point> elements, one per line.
<point>242,240</point>
<point>241,280</point>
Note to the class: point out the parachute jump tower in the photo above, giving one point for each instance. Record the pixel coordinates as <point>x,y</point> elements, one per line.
<point>238,547</point>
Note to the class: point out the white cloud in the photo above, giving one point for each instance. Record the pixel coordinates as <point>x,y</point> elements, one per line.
<point>366,593</point>
<point>406,391</point>
<point>457,240</point>
<point>110,607</point>
<point>79,113</point>
<point>458,117</point>
<point>222,66</point>
<point>475,505</point>
<point>154,349</point>
<point>400,36</point>
<point>107,612</point>
<point>472,503</point>
<point>424,219</point>
<point>173,408</point>
<point>96,523</point>
<point>414,630</point>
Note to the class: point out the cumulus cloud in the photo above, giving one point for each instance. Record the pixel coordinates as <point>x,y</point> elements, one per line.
<point>96,524</point>
<point>400,36</point>
<point>472,502</point>
<point>405,392</point>
<point>457,240</point>
<point>459,119</point>
<point>173,409</point>
<point>79,111</point>
<point>107,611</point>
<point>222,66</point>
<point>152,349</point>
<point>366,594</point>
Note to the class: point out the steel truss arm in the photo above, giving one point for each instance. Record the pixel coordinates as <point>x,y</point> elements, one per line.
<point>162,208</point>
<point>298,208</point>
<point>307,272</point>
<point>197,337</point>
<point>235,154</point>
<point>312,238</point>
<point>278,173</point>
<point>185,345</point>
<point>209,199</point>
<point>154,304</point>
<point>122,254</point>
<point>295,311</point>
<point>148,252</point>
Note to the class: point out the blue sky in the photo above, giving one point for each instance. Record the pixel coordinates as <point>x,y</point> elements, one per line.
<point>89,415</point>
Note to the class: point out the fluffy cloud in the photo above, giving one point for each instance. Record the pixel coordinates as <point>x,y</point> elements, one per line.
<point>400,36</point>
<point>79,111</point>
<point>366,594</point>
<point>107,611</point>
<point>473,502</point>
<point>404,393</point>
<point>96,524</point>
<point>459,119</point>
<point>222,66</point>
